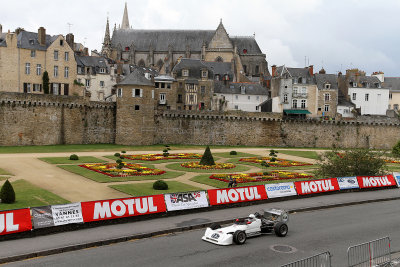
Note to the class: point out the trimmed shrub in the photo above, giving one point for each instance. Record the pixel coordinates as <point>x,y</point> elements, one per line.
<point>160,185</point>
<point>207,158</point>
<point>165,153</point>
<point>233,153</point>
<point>123,151</point>
<point>73,157</point>
<point>119,161</point>
<point>117,155</point>
<point>7,194</point>
<point>396,150</point>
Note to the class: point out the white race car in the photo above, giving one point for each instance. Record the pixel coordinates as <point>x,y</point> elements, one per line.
<point>272,220</point>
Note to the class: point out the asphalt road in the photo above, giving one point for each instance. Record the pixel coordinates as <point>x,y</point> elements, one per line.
<point>309,233</point>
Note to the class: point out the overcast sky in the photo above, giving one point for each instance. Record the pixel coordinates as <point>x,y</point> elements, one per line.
<point>337,35</point>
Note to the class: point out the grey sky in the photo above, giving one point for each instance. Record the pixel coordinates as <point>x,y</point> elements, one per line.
<point>336,34</point>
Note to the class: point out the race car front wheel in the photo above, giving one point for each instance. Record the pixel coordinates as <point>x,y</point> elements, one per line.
<point>281,229</point>
<point>239,237</point>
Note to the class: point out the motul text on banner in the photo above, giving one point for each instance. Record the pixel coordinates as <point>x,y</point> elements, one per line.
<point>119,208</point>
<point>15,221</point>
<point>235,195</point>
<point>376,181</point>
<point>317,186</point>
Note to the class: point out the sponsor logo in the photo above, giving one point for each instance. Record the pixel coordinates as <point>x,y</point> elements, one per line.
<point>376,181</point>
<point>317,186</point>
<point>184,197</point>
<point>238,194</point>
<point>279,188</point>
<point>7,223</point>
<point>215,236</point>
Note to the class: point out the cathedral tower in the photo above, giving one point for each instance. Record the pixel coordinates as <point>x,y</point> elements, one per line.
<point>106,49</point>
<point>125,19</point>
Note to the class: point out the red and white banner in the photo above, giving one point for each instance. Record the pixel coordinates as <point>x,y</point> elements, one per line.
<point>119,208</point>
<point>235,195</point>
<point>376,181</point>
<point>316,186</point>
<point>15,221</point>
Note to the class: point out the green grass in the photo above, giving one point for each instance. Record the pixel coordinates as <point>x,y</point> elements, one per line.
<point>3,178</point>
<point>178,167</point>
<point>305,167</point>
<point>204,179</point>
<point>66,160</point>
<point>28,195</point>
<point>303,154</point>
<point>101,178</point>
<point>153,162</point>
<point>4,172</point>
<point>239,155</point>
<point>146,189</point>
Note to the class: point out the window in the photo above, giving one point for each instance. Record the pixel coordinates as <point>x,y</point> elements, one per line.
<point>285,98</point>
<point>38,69</point>
<point>37,87</point>
<point>236,107</point>
<point>203,90</point>
<point>258,98</point>
<point>33,53</point>
<point>303,103</point>
<point>245,69</point>
<point>55,55</point>
<point>180,99</point>
<point>152,94</point>
<point>191,98</point>
<point>327,86</point>
<point>66,72</point>
<point>168,86</point>
<point>137,107</point>
<point>257,107</point>
<point>300,80</point>
<point>87,82</point>
<point>326,108</point>
<point>248,97</point>
<point>366,97</point>
<point>327,97</point>
<point>396,106</point>
<point>28,68</point>
<point>190,86</point>
<point>55,89</point>
<point>354,96</point>
<point>55,71</point>
<point>185,73</point>
<point>243,90</point>
<point>216,77</point>
<point>204,74</point>
<point>294,103</point>
<point>236,97</point>
<point>66,56</point>
<point>27,87</point>
<point>257,70</point>
<point>295,90</point>
<point>354,84</point>
<point>346,111</point>
<point>119,92</point>
<point>66,90</point>
<point>304,90</point>
<point>101,83</point>
<point>390,95</point>
<point>163,98</point>
<point>61,42</point>
<point>102,70</point>
<point>137,93</point>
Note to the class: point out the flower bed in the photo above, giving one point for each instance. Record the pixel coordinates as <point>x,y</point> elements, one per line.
<point>154,157</point>
<point>217,166</point>
<point>278,163</point>
<point>260,176</point>
<point>111,169</point>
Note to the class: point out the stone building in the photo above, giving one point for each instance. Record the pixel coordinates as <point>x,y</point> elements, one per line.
<point>25,56</point>
<point>327,86</point>
<point>163,48</point>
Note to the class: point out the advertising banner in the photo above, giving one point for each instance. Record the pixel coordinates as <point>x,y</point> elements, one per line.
<point>235,195</point>
<point>66,214</point>
<point>396,176</point>
<point>15,221</point>
<point>317,186</point>
<point>376,181</point>
<point>280,190</point>
<point>119,208</point>
<point>348,182</point>
<point>42,217</point>
<point>183,201</point>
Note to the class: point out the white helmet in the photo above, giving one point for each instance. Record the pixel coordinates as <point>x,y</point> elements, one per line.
<point>252,216</point>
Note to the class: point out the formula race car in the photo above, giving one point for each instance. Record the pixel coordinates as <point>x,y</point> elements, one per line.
<point>268,221</point>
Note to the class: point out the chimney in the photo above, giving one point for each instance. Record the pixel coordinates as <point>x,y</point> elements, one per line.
<point>1,28</point>
<point>311,70</point>
<point>86,51</point>
<point>70,40</point>
<point>273,67</point>
<point>357,74</point>
<point>42,36</point>
<point>322,71</point>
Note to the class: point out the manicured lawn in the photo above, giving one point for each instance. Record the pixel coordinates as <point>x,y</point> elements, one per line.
<point>305,167</point>
<point>66,160</point>
<point>178,167</point>
<point>204,179</point>
<point>4,172</point>
<point>303,154</point>
<point>101,178</point>
<point>153,161</point>
<point>2,178</point>
<point>28,195</point>
<point>146,189</point>
<point>239,155</point>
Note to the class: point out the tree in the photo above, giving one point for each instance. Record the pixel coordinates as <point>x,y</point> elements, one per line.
<point>353,162</point>
<point>207,158</point>
<point>396,149</point>
<point>7,194</point>
<point>45,79</point>
<point>273,154</point>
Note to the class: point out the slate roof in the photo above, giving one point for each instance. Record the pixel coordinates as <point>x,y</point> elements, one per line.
<point>194,66</point>
<point>160,40</point>
<point>296,73</point>
<point>322,79</point>
<point>136,78</point>
<point>29,40</point>
<point>393,83</point>
<point>129,68</point>
<point>234,88</point>
<point>90,61</point>
<point>372,80</point>
<point>342,101</point>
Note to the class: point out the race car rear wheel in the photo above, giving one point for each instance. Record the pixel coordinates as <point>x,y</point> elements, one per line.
<point>239,237</point>
<point>215,226</point>
<point>281,229</point>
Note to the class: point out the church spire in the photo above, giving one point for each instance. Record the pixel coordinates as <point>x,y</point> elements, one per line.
<point>125,19</point>
<point>107,38</point>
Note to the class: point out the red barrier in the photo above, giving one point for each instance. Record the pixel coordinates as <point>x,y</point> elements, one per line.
<point>235,195</point>
<point>119,208</point>
<point>15,221</point>
<point>376,181</point>
<point>317,186</point>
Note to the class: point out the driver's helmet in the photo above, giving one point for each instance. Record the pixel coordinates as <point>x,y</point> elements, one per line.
<point>252,216</point>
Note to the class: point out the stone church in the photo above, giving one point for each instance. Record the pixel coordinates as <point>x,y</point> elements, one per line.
<point>162,49</point>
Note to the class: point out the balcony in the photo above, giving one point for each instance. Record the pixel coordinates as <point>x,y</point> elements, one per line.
<point>299,95</point>
<point>162,102</point>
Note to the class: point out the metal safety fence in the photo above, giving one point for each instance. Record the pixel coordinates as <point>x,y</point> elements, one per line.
<point>319,260</point>
<point>369,254</point>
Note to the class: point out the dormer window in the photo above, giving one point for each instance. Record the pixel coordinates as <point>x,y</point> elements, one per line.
<point>300,80</point>
<point>204,74</point>
<point>353,84</point>
<point>31,41</point>
<point>327,86</point>
<point>185,73</point>
<point>378,85</point>
<point>242,90</point>
<point>102,70</point>
<point>61,42</point>
<point>216,77</point>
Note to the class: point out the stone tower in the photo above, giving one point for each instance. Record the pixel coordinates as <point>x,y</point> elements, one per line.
<point>106,49</point>
<point>125,19</point>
